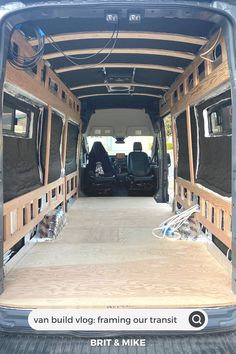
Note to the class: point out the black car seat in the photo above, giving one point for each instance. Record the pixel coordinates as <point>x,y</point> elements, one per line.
<point>103,178</point>
<point>139,166</point>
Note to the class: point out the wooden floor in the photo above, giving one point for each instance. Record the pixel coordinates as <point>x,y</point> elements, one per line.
<point>107,257</point>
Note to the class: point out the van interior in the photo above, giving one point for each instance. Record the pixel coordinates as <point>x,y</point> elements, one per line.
<point>87,175</point>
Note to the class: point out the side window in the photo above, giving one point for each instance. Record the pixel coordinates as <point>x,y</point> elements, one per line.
<point>16,120</point>
<point>218,119</point>
<point>216,56</point>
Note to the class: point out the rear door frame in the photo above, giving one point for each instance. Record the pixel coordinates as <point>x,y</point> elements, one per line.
<point>11,14</point>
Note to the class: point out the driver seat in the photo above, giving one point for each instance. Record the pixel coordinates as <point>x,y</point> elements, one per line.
<point>139,168</point>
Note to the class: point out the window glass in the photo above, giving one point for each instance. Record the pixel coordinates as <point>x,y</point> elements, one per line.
<point>15,121</point>
<point>220,119</point>
<point>109,143</point>
<point>20,126</point>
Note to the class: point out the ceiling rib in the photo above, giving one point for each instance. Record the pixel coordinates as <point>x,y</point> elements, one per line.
<point>139,51</point>
<point>81,87</point>
<point>161,36</point>
<point>119,65</point>
<point>119,94</point>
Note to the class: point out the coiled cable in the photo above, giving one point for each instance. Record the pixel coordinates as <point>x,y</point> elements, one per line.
<point>169,229</point>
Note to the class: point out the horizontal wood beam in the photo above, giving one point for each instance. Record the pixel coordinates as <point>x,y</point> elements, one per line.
<point>157,87</point>
<point>119,94</point>
<point>139,51</point>
<point>160,36</point>
<point>119,65</point>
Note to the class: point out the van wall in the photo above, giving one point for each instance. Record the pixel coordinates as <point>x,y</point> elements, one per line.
<point>71,148</point>
<point>214,169</point>
<point>20,158</point>
<point>55,164</point>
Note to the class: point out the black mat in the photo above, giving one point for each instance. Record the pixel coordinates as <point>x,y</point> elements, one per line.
<point>197,344</point>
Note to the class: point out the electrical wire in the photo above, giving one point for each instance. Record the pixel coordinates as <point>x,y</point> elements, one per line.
<point>23,62</point>
<point>170,227</point>
<point>227,254</point>
<point>68,57</point>
<point>53,43</point>
<point>203,55</point>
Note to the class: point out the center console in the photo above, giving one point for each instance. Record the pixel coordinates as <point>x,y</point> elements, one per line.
<point>119,162</point>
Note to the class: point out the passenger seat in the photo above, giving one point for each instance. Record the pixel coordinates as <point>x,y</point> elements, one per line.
<point>101,183</point>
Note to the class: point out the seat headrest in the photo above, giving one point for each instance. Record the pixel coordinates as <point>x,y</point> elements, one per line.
<point>98,148</point>
<point>137,146</point>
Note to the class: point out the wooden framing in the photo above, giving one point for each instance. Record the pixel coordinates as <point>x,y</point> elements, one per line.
<point>174,139</point>
<point>81,87</point>
<point>65,131</point>
<point>27,212</point>
<point>48,144</point>
<point>190,146</point>
<point>139,51</point>
<point>173,37</point>
<point>215,211</point>
<point>23,213</point>
<point>120,94</point>
<point>209,200</point>
<point>119,65</point>
<point>71,185</point>
<point>214,78</point>
<point>32,85</point>
<point>78,157</point>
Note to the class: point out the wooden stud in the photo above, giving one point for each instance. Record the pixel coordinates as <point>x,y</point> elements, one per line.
<point>66,69</point>
<point>190,145</point>
<point>136,51</point>
<point>81,87</point>
<point>64,160</point>
<point>77,178</point>
<point>48,144</point>
<point>174,140</point>
<point>50,197</point>
<point>227,222</point>
<point>27,213</point>
<point>160,36</point>
<point>217,218</point>
<point>208,66</point>
<point>19,217</point>
<point>64,144</point>
<point>120,94</point>
<point>195,77</point>
<point>35,208</point>
<point>189,198</point>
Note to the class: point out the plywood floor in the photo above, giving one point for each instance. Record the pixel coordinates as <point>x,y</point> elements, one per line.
<point>107,257</point>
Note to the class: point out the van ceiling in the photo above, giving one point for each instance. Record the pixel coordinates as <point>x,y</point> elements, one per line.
<point>142,59</point>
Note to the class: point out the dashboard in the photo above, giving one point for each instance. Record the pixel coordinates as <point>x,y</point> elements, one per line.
<point>119,163</point>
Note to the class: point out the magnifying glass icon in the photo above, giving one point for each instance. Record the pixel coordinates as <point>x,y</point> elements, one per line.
<point>197,319</point>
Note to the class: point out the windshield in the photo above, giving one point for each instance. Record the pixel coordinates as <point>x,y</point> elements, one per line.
<point>109,143</point>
